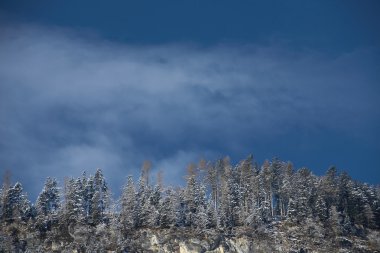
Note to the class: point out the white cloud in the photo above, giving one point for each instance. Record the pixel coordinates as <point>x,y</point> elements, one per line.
<point>68,103</point>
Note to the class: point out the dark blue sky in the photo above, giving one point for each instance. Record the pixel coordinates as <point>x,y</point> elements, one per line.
<point>332,26</point>
<point>87,84</point>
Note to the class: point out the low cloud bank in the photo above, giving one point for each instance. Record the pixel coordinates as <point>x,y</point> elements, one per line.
<point>69,104</point>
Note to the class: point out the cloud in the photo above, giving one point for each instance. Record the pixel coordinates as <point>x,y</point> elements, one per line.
<point>69,103</point>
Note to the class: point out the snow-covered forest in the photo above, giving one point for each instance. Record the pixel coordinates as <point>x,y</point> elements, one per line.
<point>81,215</point>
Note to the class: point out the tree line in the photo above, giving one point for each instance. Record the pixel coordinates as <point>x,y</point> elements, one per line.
<point>217,196</point>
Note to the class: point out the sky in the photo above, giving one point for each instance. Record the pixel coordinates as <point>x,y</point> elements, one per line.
<point>95,84</point>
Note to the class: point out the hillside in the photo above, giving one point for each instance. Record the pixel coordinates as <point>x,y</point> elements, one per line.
<point>222,208</point>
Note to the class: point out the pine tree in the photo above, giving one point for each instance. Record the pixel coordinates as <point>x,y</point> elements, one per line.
<point>88,197</point>
<point>212,215</point>
<point>343,192</point>
<point>277,168</point>
<point>48,202</point>
<point>201,217</point>
<point>224,210</point>
<point>302,201</point>
<point>167,209</point>
<point>191,196</point>
<point>321,209</point>
<point>47,207</point>
<point>256,197</point>
<point>246,173</point>
<point>181,207</point>
<point>264,207</point>
<point>74,210</point>
<point>213,178</point>
<point>328,188</point>
<point>16,206</point>
<point>128,215</point>
<point>267,177</point>
<point>285,189</point>
<point>201,220</point>
<point>101,198</point>
<point>143,207</point>
<point>154,206</point>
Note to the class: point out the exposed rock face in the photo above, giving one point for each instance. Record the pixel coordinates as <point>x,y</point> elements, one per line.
<point>185,242</point>
<point>276,237</point>
<point>272,240</point>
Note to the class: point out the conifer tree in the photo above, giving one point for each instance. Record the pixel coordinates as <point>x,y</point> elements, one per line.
<point>154,207</point>
<point>101,199</point>
<point>74,204</point>
<point>168,209</point>
<point>245,171</point>
<point>303,200</point>
<point>48,202</point>
<point>16,206</point>
<point>285,189</point>
<point>128,215</point>
<point>191,196</point>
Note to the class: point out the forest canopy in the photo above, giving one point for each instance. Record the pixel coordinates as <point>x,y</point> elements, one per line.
<point>217,196</point>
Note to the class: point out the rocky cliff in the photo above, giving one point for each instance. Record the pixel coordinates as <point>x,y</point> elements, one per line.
<point>276,238</point>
